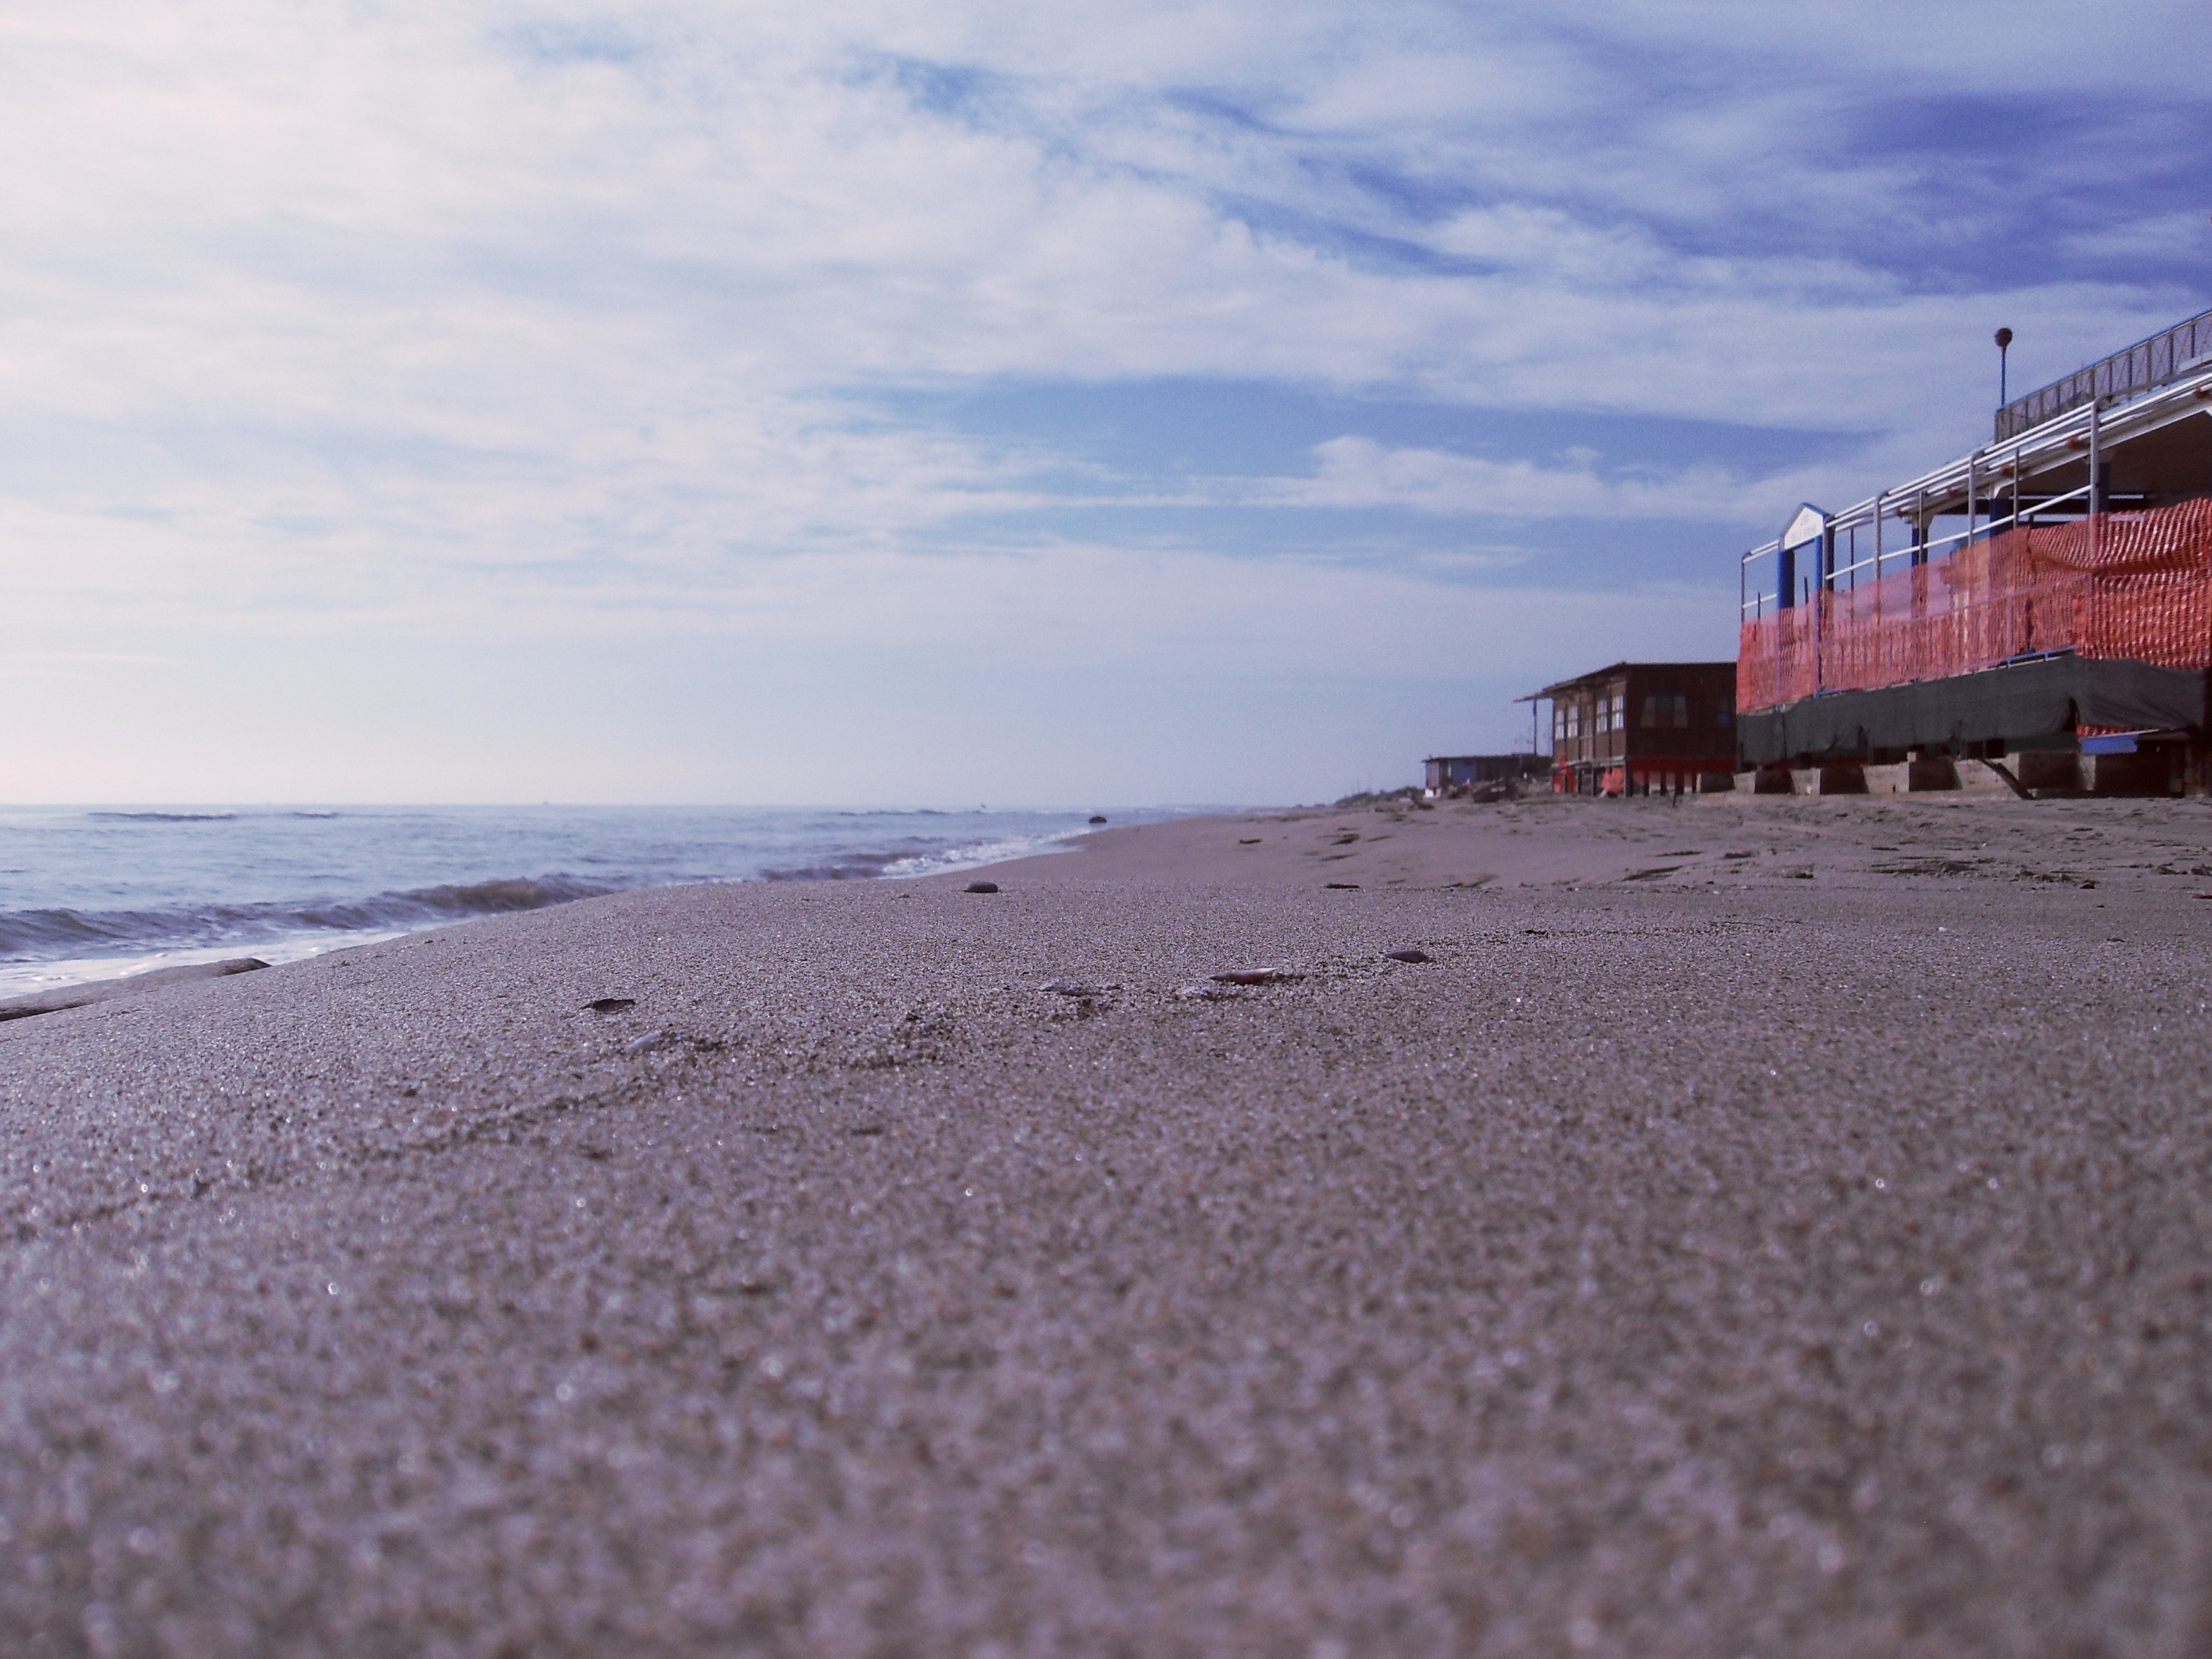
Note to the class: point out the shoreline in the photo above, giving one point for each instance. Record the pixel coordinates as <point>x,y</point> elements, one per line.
<point>1685,1261</point>
<point>29,980</point>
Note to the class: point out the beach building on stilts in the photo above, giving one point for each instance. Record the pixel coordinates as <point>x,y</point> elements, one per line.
<point>1636,726</point>
<point>2043,603</point>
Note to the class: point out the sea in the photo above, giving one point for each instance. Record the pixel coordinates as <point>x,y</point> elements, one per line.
<point>90,893</point>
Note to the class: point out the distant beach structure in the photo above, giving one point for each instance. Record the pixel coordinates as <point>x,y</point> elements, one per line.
<point>1449,777</point>
<point>2042,605</point>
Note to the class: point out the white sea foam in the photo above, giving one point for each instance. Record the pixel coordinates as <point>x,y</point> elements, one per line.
<point>982,853</point>
<point>19,979</point>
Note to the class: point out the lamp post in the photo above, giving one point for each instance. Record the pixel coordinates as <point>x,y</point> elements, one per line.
<point>2004,345</point>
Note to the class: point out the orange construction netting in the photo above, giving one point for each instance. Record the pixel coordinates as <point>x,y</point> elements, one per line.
<point>2144,593</point>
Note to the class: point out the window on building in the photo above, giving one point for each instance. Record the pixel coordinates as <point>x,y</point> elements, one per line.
<point>1574,719</point>
<point>1724,716</point>
<point>1666,708</point>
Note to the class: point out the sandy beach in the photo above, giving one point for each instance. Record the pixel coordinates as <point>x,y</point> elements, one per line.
<point>1755,1225</point>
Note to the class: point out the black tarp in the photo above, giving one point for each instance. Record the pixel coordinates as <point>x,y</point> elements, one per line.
<point>2015,704</point>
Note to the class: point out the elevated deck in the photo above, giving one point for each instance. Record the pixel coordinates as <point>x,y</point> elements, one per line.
<point>2148,364</point>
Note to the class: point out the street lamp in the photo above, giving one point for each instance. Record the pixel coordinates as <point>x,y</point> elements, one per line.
<point>2004,345</point>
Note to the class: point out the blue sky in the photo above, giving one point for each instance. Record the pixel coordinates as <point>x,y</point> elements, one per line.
<point>865,402</point>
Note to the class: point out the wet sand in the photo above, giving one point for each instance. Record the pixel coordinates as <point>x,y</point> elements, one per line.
<point>1800,1252</point>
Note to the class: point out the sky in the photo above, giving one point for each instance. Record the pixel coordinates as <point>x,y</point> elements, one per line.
<point>860,403</point>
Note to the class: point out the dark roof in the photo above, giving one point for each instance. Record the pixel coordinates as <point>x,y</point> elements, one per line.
<point>1607,672</point>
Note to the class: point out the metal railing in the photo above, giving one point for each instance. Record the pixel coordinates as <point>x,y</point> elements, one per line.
<point>1989,489</point>
<point>2143,367</point>
<point>1924,551</point>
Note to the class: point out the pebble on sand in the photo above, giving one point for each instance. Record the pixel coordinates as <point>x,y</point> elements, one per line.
<point>1255,977</point>
<point>611,1004</point>
<point>1409,955</point>
<point>980,887</point>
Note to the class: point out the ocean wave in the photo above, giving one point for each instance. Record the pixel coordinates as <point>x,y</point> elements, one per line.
<point>88,895</point>
<point>106,898</point>
<point>29,933</point>
<point>840,867</point>
<point>165,817</point>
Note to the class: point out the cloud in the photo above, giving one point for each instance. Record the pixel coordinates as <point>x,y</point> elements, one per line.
<point>1359,472</point>
<point>577,317</point>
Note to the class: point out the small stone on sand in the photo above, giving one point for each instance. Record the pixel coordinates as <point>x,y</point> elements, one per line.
<point>981,887</point>
<point>1255,977</point>
<point>611,1004</point>
<point>1409,955</point>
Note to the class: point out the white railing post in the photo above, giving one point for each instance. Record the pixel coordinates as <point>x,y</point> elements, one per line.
<point>2096,496</point>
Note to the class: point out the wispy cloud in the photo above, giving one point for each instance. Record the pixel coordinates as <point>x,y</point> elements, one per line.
<point>1357,473</point>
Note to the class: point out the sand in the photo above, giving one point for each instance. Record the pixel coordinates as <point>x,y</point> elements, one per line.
<point>1797,1252</point>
